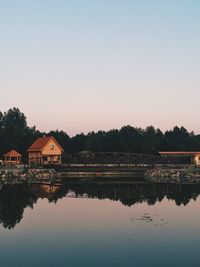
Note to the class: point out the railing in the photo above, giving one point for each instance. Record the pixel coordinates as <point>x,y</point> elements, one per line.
<point>108,158</point>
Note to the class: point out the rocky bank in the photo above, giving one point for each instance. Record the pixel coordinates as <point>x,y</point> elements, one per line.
<point>18,175</point>
<point>190,175</point>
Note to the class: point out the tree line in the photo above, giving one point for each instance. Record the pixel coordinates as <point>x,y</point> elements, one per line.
<point>16,134</point>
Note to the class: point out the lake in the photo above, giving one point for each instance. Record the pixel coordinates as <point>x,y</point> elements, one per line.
<point>100,223</point>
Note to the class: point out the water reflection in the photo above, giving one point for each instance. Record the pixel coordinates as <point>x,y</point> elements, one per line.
<point>151,218</point>
<point>127,193</point>
<point>15,198</point>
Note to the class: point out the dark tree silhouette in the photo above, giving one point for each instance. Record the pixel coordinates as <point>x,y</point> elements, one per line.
<point>13,200</point>
<point>16,134</point>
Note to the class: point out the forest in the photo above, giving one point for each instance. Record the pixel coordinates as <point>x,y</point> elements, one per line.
<point>16,134</point>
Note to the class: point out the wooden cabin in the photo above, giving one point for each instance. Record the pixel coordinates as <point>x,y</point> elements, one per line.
<point>184,157</point>
<point>12,157</point>
<point>45,151</point>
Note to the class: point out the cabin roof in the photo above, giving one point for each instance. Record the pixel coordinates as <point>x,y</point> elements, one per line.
<point>41,142</point>
<point>12,153</point>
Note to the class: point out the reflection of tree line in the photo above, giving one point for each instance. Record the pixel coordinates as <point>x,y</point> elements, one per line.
<point>15,198</point>
<point>130,194</point>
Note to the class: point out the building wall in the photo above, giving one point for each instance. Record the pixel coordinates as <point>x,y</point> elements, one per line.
<point>196,159</point>
<point>50,154</point>
<point>34,157</point>
<point>51,148</point>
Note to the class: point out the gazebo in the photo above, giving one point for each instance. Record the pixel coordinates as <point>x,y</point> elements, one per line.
<point>12,157</point>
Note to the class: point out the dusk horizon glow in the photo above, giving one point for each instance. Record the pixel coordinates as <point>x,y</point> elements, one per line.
<point>71,134</point>
<point>85,66</point>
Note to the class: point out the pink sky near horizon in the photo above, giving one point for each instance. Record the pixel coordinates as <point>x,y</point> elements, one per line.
<point>101,65</point>
<point>78,123</point>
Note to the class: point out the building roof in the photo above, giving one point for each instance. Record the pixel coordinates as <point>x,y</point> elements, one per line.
<point>41,142</point>
<point>12,153</point>
<point>179,152</point>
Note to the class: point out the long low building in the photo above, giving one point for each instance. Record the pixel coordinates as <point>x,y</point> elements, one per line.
<point>192,157</point>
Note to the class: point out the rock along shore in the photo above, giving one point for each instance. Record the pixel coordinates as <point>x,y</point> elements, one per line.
<point>23,174</point>
<point>19,175</point>
<point>189,175</point>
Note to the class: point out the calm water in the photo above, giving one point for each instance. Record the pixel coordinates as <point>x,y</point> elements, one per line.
<point>92,224</point>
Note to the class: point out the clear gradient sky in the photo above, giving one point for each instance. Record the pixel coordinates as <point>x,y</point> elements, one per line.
<point>82,65</point>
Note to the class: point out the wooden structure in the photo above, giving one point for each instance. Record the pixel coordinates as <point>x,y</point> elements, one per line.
<point>45,190</point>
<point>45,151</point>
<point>113,158</point>
<point>12,157</point>
<point>126,160</point>
<point>186,157</point>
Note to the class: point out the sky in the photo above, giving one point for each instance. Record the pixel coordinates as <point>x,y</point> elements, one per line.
<point>86,65</point>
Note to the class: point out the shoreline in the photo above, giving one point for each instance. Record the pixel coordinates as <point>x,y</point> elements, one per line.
<point>165,175</point>
<point>189,175</point>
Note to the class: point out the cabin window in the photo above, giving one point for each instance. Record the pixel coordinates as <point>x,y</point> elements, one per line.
<point>51,147</point>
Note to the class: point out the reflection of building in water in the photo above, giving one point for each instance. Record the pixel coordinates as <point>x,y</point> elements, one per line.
<point>128,194</point>
<point>15,198</point>
<point>45,190</point>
